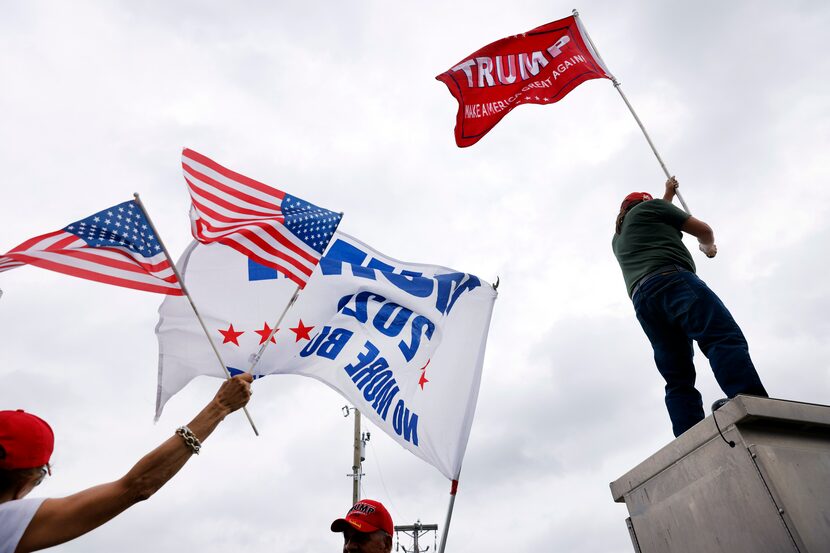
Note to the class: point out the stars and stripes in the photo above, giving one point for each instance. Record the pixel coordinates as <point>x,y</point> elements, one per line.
<point>115,246</point>
<point>271,227</point>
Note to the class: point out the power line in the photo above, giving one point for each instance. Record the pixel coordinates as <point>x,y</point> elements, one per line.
<point>383,483</point>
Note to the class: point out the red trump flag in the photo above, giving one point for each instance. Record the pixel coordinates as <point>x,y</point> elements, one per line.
<point>537,67</point>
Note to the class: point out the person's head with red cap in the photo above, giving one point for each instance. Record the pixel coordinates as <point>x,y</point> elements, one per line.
<point>634,198</point>
<point>26,444</point>
<point>366,528</point>
<point>628,202</point>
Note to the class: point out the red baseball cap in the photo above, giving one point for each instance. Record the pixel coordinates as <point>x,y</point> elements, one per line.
<point>366,516</point>
<point>26,441</point>
<point>635,197</point>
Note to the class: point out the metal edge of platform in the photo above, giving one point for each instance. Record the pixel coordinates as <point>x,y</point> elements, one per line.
<point>741,409</point>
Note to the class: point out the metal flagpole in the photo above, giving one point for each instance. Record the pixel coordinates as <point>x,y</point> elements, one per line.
<point>255,357</point>
<point>631,109</point>
<point>193,305</point>
<point>453,491</point>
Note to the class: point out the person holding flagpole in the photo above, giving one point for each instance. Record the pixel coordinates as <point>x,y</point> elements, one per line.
<point>675,307</point>
<point>26,444</point>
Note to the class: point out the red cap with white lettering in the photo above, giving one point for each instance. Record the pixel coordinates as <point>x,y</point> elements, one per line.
<point>366,516</point>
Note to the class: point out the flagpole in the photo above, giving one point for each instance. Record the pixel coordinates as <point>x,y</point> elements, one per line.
<point>453,491</point>
<point>190,299</point>
<point>255,357</point>
<point>631,109</point>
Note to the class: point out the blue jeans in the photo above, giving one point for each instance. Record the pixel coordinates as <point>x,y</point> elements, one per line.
<point>676,308</point>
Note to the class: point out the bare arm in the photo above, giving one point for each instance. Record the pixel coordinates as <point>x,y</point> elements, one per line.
<point>60,520</point>
<point>703,233</point>
<point>693,226</point>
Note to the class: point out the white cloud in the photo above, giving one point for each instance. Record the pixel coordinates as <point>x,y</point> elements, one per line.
<point>337,103</point>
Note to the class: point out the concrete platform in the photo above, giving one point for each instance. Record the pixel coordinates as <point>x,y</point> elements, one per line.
<point>768,494</point>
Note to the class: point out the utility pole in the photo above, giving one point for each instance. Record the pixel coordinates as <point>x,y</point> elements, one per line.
<point>359,453</point>
<point>357,458</point>
<point>416,530</point>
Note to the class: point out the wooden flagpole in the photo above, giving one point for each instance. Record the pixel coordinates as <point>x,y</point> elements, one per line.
<point>631,109</point>
<point>453,491</point>
<point>190,299</point>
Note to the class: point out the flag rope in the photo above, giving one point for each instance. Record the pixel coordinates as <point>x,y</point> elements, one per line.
<point>190,299</point>
<point>631,109</point>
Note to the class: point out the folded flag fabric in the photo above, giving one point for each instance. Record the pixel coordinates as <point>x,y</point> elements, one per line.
<point>114,246</point>
<point>540,66</point>
<point>273,228</point>
<point>403,342</point>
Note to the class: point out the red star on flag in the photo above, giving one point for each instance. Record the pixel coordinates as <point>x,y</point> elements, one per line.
<point>423,380</point>
<point>302,331</point>
<point>230,335</point>
<point>264,333</point>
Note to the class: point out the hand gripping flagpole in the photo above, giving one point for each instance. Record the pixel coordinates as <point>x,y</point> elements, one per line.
<point>631,109</point>
<point>193,305</point>
<point>453,491</point>
<point>255,357</point>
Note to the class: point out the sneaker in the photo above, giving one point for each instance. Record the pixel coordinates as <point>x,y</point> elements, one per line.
<point>719,403</point>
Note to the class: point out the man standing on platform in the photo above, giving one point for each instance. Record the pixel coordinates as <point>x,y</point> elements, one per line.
<point>675,307</point>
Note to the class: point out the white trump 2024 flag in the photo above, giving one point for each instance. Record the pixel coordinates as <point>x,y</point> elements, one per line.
<point>403,342</point>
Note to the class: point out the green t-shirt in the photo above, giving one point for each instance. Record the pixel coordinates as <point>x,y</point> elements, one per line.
<point>650,238</point>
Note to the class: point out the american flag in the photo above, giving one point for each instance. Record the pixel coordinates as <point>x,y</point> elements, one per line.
<point>267,225</point>
<point>115,246</point>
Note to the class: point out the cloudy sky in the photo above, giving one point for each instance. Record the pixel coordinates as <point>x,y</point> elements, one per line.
<point>336,102</point>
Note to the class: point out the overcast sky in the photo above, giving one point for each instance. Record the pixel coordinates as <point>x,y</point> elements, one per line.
<point>336,102</point>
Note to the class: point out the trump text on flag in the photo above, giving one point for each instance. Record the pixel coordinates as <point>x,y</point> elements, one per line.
<point>537,67</point>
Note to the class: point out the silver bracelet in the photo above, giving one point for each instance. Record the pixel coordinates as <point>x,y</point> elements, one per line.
<point>190,439</point>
